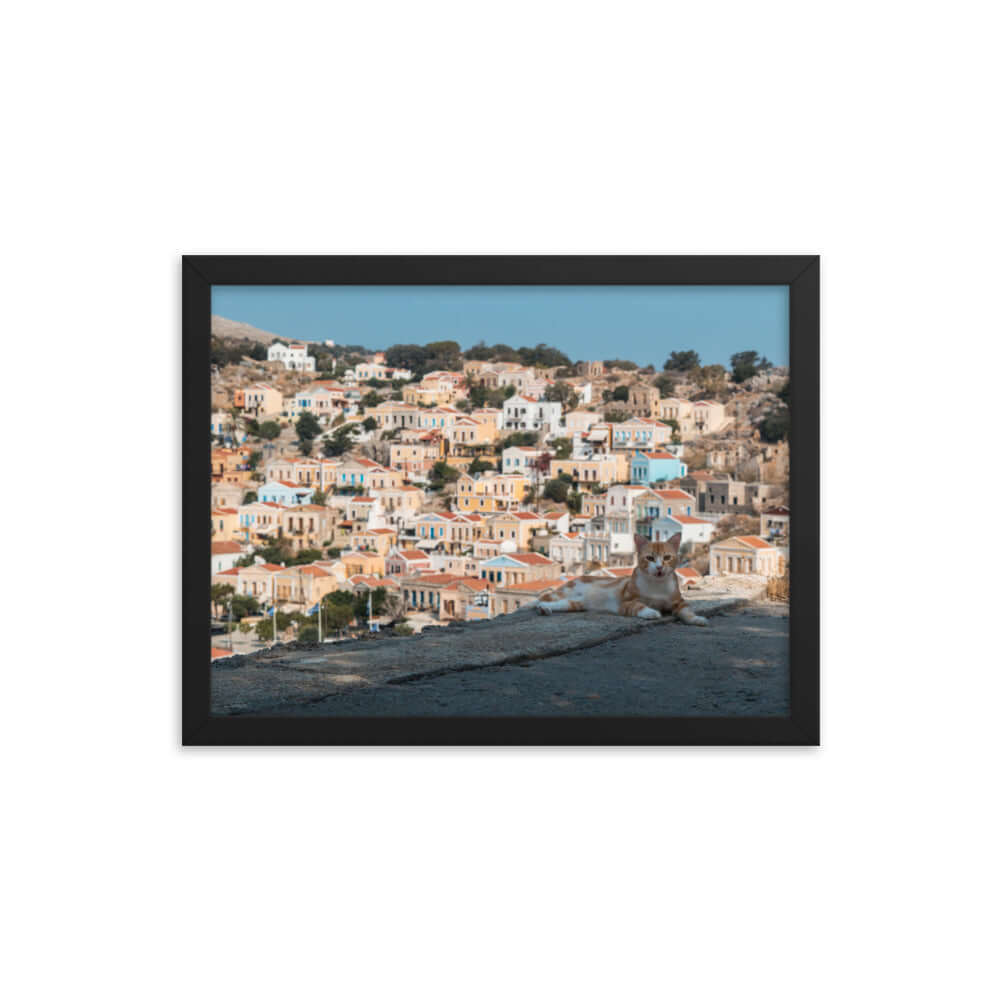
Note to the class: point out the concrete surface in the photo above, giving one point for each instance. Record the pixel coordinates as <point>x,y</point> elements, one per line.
<point>524,664</point>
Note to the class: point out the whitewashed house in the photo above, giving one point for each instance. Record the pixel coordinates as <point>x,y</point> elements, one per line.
<point>295,357</point>
<point>525,413</point>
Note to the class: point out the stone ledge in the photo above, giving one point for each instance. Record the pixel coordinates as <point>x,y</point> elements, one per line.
<point>288,677</point>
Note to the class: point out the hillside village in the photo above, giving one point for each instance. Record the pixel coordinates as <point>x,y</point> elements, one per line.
<point>411,487</point>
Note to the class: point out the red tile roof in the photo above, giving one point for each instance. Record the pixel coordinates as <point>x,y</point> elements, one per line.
<point>225,548</point>
<point>217,653</point>
<point>688,571</point>
<point>410,554</point>
<point>532,585</point>
<point>686,519</point>
<point>658,454</point>
<point>530,558</point>
<point>313,571</point>
<point>233,510</point>
<point>752,540</point>
<point>673,494</point>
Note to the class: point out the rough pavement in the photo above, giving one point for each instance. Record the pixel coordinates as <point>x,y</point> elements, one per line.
<point>579,664</point>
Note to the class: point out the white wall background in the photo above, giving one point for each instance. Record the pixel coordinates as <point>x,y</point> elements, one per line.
<point>865,131</point>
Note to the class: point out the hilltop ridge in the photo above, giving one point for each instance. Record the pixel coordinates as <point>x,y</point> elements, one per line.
<point>231,329</point>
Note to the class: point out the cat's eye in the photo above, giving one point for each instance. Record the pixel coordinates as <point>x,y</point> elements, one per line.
<point>649,558</point>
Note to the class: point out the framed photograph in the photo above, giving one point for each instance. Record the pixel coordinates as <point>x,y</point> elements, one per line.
<point>480,500</point>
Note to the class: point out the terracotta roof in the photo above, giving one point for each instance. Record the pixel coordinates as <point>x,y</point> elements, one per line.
<point>530,558</point>
<point>658,454</point>
<point>688,571</point>
<point>673,494</point>
<point>751,540</point>
<point>229,572</point>
<point>217,653</point>
<point>780,509</point>
<point>533,586</point>
<point>526,515</point>
<point>382,531</point>
<point>439,578</point>
<point>411,554</point>
<point>233,510</point>
<point>225,548</point>
<point>313,571</point>
<point>362,500</point>
<point>686,519</point>
<point>474,583</point>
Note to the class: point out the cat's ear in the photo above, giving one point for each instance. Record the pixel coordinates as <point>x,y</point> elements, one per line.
<point>641,541</point>
<point>674,543</point>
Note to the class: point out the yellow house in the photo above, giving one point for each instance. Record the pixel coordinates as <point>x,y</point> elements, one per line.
<point>468,432</point>
<point>519,526</point>
<point>601,469</point>
<point>490,492</point>
<point>438,394</point>
<point>225,524</point>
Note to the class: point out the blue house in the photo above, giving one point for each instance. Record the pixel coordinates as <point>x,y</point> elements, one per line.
<point>654,466</point>
<point>284,493</point>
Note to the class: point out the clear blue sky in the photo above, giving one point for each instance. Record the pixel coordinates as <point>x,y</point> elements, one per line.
<point>639,323</point>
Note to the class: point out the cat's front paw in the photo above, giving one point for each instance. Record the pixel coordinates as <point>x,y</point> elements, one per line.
<point>698,620</point>
<point>543,609</point>
<point>648,613</point>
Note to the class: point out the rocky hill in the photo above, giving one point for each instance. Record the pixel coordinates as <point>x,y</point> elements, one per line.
<point>230,329</point>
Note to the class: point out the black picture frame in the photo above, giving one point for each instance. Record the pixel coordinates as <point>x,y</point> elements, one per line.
<point>800,273</point>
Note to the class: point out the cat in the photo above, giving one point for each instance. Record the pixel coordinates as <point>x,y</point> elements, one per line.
<point>652,590</point>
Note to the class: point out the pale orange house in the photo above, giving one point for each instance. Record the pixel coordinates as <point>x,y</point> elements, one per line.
<point>225,524</point>
<point>364,563</point>
<point>745,554</point>
<point>308,526</point>
<point>601,469</point>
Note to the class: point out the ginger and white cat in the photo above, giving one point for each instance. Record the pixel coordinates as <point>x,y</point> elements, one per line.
<point>652,590</point>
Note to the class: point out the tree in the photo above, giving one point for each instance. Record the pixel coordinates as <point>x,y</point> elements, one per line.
<point>319,496</point>
<point>401,628</point>
<point>308,633</point>
<point>574,501</point>
<point>307,427</point>
<point>743,365</point>
<point>220,594</point>
<point>243,606</point>
<point>369,423</point>
<point>269,430</point>
<point>711,379</point>
<point>563,447</point>
<point>621,363</point>
<point>370,399</point>
<point>774,427</point>
<point>666,384</point>
<point>682,361</point>
<point>479,465</point>
<point>442,473</point>
<point>562,392</point>
<point>519,439</point>
<point>339,441</point>
<point>250,496</point>
<point>615,416</point>
<point>557,490</point>
<point>785,392</point>
<point>265,627</point>
<point>620,394</point>
<point>254,460</point>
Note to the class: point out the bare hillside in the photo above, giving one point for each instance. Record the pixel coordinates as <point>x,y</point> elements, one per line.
<point>231,329</point>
